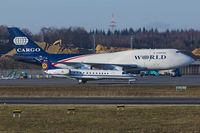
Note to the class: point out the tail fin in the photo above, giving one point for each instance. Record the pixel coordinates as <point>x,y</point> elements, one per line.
<point>24,45</point>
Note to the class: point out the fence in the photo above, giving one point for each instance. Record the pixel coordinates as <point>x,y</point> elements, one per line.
<point>23,73</point>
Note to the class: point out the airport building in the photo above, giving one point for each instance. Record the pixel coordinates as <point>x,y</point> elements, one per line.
<point>193,69</point>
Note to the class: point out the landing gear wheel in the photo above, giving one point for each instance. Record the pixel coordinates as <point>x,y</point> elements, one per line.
<point>80,81</point>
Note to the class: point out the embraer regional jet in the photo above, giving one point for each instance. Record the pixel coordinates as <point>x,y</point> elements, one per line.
<point>84,75</point>
<point>126,61</point>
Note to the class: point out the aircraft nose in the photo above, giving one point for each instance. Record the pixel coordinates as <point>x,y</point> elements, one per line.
<point>189,59</point>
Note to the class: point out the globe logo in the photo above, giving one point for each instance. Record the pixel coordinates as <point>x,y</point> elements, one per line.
<point>44,65</point>
<point>145,57</point>
<point>20,40</point>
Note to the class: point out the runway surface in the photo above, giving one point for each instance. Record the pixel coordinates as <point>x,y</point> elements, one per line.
<point>149,80</point>
<point>102,100</point>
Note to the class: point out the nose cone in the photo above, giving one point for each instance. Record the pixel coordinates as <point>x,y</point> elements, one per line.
<point>192,60</point>
<point>188,60</point>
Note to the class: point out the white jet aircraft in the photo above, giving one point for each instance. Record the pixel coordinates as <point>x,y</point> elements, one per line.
<point>84,75</point>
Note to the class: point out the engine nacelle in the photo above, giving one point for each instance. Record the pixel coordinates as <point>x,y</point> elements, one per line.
<point>85,66</point>
<point>118,68</point>
<point>58,71</point>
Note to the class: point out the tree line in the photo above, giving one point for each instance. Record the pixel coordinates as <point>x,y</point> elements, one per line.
<point>81,38</point>
<point>143,38</point>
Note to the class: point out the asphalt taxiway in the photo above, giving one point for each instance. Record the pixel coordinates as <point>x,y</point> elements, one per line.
<point>149,80</point>
<point>100,100</point>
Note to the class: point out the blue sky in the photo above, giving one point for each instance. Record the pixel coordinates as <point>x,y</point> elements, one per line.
<point>92,14</point>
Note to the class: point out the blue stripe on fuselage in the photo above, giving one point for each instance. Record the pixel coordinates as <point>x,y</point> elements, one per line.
<point>58,57</point>
<point>51,57</point>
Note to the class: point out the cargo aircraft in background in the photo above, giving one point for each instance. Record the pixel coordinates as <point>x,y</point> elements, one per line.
<point>124,61</point>
<point>28,51</point>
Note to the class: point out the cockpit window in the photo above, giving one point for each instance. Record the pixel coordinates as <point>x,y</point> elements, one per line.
<point>178,51</point>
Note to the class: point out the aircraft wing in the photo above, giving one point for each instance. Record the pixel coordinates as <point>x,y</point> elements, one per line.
<point>112,65</point>
<point>125,67</point>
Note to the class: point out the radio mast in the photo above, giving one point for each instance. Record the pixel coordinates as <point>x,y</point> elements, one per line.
<point>113,24</point>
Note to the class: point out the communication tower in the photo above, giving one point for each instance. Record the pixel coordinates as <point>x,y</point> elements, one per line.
<point>112,23</point>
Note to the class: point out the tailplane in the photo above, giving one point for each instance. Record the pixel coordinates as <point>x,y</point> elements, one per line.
<point>24,45</point>
<point>55,71</point>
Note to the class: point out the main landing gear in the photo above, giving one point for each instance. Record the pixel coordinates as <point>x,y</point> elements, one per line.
<point>81,81</point>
